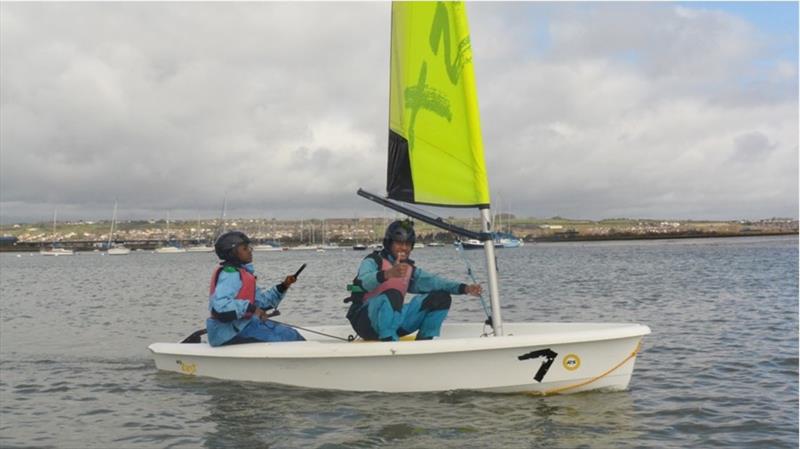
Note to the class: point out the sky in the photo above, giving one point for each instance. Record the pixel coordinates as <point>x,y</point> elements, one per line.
<point>588,110</point>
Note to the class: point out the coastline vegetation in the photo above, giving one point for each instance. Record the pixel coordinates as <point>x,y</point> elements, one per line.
<point>347,231</point>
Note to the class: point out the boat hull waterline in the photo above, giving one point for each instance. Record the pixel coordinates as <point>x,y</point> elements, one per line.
<point>57,252</point>
<point>537,358</point>
<point>170,250</point>
<point>199,249</point>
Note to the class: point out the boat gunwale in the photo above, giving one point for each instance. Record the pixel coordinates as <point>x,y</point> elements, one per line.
<point>336,349</point>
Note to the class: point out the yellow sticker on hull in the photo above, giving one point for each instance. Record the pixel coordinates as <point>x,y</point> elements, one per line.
<point>571,362</point>
<point>188,368</point>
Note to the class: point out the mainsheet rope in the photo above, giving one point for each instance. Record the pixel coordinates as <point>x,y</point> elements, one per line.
<point>351,338</point>
<point>460,250</point>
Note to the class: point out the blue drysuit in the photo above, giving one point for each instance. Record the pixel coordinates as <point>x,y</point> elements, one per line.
<point>240,330</point>
<point>386,316</point>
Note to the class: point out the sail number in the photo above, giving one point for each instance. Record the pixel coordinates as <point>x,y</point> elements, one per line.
<point>548,354</point>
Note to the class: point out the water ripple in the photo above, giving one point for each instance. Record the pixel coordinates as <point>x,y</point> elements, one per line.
<point>719,370</point>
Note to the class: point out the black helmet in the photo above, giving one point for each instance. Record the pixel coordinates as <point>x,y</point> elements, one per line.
<point>227,242</point>
<point>399,231</point>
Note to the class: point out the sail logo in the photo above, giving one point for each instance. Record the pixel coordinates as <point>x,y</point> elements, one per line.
<point>423,97</point>
<point>440,32</point>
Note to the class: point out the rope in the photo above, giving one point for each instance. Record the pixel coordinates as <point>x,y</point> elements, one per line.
<point>460,250</point>
<point>312,331</point>
<point>593,379</point>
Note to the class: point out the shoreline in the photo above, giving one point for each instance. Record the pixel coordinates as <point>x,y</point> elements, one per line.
<point>91,246</point>
<point>687,235</point>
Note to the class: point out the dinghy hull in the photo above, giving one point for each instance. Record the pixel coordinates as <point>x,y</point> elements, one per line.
<point>538,358</point>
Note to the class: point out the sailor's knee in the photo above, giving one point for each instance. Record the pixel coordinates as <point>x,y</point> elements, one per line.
<point>437,301</point>
<point>395,299</point>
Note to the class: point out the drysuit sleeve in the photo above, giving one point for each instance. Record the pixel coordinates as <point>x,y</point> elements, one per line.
<point>424,282</point>
<point>269,299</point>
<point>369,274</point>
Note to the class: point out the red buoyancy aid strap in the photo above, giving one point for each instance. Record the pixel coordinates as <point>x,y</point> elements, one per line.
<point>399,284</point>
<point>247,291</point>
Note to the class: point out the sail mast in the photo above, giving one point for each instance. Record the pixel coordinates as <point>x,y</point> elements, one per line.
<point>491,268</point>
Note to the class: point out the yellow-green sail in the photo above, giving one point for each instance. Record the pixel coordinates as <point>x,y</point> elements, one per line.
<point>435,144</point>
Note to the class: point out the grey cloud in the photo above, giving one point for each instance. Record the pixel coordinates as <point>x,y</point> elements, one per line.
<point>752,147</point>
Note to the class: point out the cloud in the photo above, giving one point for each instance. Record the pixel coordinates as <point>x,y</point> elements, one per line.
<point>588,110</point>
<point>636,110</point>
<point>752,147</point>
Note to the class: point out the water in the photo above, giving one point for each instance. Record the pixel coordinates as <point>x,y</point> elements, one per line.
<point>719,370</point>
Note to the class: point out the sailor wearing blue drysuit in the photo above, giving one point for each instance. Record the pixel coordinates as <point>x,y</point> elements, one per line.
<point>378,311</point>
<point>237,306</point>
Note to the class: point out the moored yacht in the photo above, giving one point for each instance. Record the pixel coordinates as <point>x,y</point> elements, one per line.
<point>57,251</point>
<point>170,250</point>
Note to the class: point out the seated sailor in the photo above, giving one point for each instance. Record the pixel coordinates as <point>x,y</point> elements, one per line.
<point>238,307</point>
<point>378,310</point>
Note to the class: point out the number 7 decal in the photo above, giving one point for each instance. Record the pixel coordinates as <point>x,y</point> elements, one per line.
<point>548,355</point>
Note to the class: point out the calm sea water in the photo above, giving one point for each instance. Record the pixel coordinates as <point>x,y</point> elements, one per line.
<point>719,370</point>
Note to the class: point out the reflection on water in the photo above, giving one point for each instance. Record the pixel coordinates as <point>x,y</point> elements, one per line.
<point>251,415</point>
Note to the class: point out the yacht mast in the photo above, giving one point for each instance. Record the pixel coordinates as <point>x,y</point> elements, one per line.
<point>54,227</point>
<point>113,220</point>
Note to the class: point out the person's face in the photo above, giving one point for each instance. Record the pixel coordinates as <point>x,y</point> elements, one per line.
<point>401,250</point>
<point>244,253</point>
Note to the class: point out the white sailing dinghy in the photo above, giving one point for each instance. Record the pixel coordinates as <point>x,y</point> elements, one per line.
<point>435,158</point>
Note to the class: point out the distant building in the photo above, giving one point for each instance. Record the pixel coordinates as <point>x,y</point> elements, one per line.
<point>8,240</point>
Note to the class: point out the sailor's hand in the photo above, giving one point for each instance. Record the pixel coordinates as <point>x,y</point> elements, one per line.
<point>399,270</point>
<point>261,314</point>
<point>473,289</point>
<point>291,279</point>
